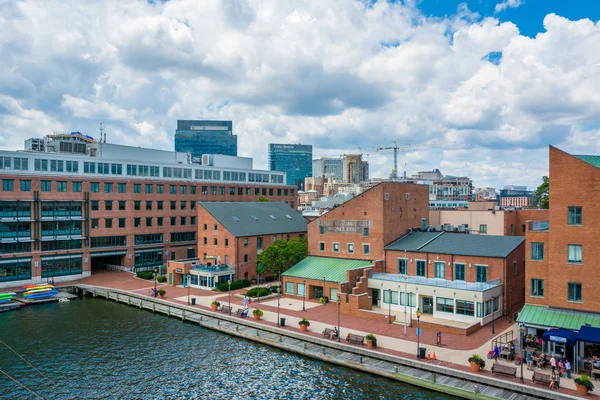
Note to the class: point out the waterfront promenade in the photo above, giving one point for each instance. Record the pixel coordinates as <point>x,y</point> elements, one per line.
<point>453,353</point>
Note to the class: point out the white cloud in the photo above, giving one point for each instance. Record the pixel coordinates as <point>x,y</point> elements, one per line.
<point>507,4</point>
<point>336,74</point>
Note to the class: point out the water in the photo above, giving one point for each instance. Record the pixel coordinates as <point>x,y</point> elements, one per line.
<point>96,349</point>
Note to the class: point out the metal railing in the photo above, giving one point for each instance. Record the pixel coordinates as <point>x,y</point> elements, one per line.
<point>437,282</point>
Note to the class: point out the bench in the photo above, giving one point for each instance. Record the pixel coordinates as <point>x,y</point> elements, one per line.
<point>330,333</point>
<point>504,369</point>
<point>351,338</point>
<point>225,309</point>
<point>595,373</point>
<point>239,311</point>
<point>543,379</point>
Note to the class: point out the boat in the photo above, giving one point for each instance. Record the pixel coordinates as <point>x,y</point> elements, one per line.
<point>43,295</point>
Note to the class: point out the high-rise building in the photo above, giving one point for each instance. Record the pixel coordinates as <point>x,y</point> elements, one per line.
<point>355,169</point>
<point>71,204</point>
<point>205,137</point>
<point>330,167</point>
<point>294,159</point>
<point>443,188</point>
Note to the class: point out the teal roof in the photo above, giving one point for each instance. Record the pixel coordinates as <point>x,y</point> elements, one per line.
<point>594,160</point>
<point>555,318</point>
<point>325,268</point>
<point>458,244</point>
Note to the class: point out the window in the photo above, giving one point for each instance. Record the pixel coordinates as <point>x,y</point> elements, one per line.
<point>148,205</point>
<point>137,188</point>
<point>537,287</point>
<point>108,187</point>
<point>402,266</point>
<point>259,243</point>
<point>465,307</point>
<point>350,248</point>
<point>271,192</point>
<point>122,205</point>
<point>137,205</point>
<point>482,228</point>
<point>321,230</point>
<point>173,221</point>
<point>524,228</point>
<point>137,222</point>
<point>387,196</point>
<point>514,267</point>
<point>183,189</point>
<point>245,258</point>
<point>574,292</point>
<point>365,231</point>
<point>61,186</point>
<point>7,185</point>
<point>231,191</point>
<point>76,186</point>
<point>173,189</point>
<point>215,227</point>
<point>222,190</point>
<point>204,190</point>
<point>390,296</point>
<point>122,187</point>
<point>575,251</point>
<point>192,189</point>
<point>274,239</point>
<point>245,242</point>
<point>192,205</point>
<point>192,220</point>
<point>213,190</point>
<point>301,289</point>
<point>321,246</point>
<point>159,205</point>
<point>411,299</point>
<point>215,242</point>
<point>336,247</point>
<point>574,215</point>
<point>122,223</point>
<point>148,188</point>
<point>289,288</point>
<point>94,187</point>
<point>444,305</point>
<point>95,223</point>
<point>537,251</point>
<point>205,240</point>
<point>183,204</point>
<point>205,227</point>
<point>26,186</point>
<point>421,268</point>
<point>95,205</point>
<point>440,269</point>
<point>226,242</point>
<point>173,205</point>
<point>366,249</point>
<point>148,221</point>
<point>108,205</point>
<point>46,186</point>
<point>183,220</point>
<point>459,272</point>
<point>159,221</point>
<point>108,223</point>
<point>481,273</point>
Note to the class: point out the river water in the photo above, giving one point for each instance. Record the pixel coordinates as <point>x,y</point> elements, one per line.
<point>96,349</point>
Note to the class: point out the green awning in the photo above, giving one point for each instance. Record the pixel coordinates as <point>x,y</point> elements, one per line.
<point>554,318</point>
<point>324,268</point>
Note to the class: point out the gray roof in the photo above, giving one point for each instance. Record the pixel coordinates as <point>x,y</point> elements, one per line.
<point>458,244</point>
<point>251,219</point>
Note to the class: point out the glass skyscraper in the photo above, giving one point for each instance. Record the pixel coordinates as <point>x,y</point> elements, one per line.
<point>293,159</point>
<point>205,137</point>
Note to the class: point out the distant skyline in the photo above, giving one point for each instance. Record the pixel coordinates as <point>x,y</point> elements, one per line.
<point>490,83</point>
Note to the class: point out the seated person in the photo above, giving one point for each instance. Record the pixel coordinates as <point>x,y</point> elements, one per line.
<point>542,361</point>
<point>244,313</point>
<point>335,333</point>
<point>553,380</point>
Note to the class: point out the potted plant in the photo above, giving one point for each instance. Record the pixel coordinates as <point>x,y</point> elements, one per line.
<point>518,361</point>
<point>214,305</point>
<point>371,340</point>
<point>304,324</point>
<point>476,362</point>
<point>257,313</point>
<point>584,384</point>
<point>161,292</point>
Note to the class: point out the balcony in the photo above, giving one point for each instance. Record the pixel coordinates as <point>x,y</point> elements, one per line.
<point>437,282</point>
<point>212,268</point>
<point>538,226</point>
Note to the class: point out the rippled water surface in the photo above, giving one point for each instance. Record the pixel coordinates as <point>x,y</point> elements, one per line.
<point>97,349</point>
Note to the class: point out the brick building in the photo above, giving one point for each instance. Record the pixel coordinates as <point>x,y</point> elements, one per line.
<point>69,203</point>
<point>561,284</point>
<point>232,235</point>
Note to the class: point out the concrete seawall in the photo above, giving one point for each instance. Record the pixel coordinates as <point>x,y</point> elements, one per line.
<point>428,376</point>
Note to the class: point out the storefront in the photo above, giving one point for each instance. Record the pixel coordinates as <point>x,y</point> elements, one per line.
<point>560,342</point>
<point>198,275</point>
<point>588,345</point>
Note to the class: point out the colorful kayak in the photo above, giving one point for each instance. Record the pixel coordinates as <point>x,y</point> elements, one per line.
<point>4,301</point>
<point>43,295</point>
<point>8,293</point>
<point>28,294</point>
<point>36,285</point>
<point>39,288</point>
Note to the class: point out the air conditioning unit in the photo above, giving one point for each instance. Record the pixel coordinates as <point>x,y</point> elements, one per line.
<point>438,228</point>
<point>448,227</point>
<point>461,228</point>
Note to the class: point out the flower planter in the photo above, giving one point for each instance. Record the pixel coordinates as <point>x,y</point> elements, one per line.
<point>214,307</point>
<point>369,344</point>
<point>582,389</point>
<point>475,367</point>
<point>256,316</point>
<point>303,327</point>
<point>160,296</point>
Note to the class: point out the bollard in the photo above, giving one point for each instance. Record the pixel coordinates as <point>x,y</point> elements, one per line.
<point>396,369</point>
<point>257,333</point>
<point>237,328</point>
<point>304,346</point>
<point>280,339</point>
<point>154,307</point>
<point>323,350</point>
<point>360,360</point>
<point>183,315</point>
<point>218,322</point>
<point>434,378</point>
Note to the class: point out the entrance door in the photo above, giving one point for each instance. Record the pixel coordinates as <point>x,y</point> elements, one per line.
<point>184,280</point>
<point>318,292</point>
<point>375,297</point>
<point>427,305</point>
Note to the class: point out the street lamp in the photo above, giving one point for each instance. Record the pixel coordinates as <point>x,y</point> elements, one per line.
<point>155,272</point>
<point>522,359</point>
<point>304,296</point>
<point>229,285</point>
<point>324,302</point>
<point>278,297</point>
<point>339,308</point>
<point>188,285</point>
<point>418,331</point>
<point>493,317</point>
<point>390,307</point>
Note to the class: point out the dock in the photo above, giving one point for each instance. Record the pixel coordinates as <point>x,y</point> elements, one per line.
<point>13,305</point>
<point>59,295</point>
<point>434,377</point>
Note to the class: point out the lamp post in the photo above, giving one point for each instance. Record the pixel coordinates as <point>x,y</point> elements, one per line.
<point>188,285</point>
<point>522,359</point>
<point>155,271</point>
<point>493,317</point>
<point>418,332</point>
<point>339,308</point>
<point>304,296</point>
<point>324,302</point>
<point>229,285</point>
<point>258,288</point>
<point>390,307</point>
<point>278,297</point>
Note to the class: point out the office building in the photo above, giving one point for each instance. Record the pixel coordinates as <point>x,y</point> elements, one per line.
<point>328,167</point>
<point>294,159</point>
<point>205,137</point>
<point>516,198</point>
<point>443,188</point>
<point>73,204</point>
<point>355,169</point>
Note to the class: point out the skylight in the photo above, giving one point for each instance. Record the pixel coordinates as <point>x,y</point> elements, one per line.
<point>254,217</point>
<point>272,216</point>
<point>289,216</point>
<point>236,218</point>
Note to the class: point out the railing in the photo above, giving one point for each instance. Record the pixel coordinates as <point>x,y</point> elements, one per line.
<point>505,338</point>
<point>212,268</point>
<point>437,282</point>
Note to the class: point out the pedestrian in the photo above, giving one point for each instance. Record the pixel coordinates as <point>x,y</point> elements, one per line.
<point>553,363</point>
<point>245,301</point>
<point>529,361</point>
<point>568,368</point>
<point>496,354</point>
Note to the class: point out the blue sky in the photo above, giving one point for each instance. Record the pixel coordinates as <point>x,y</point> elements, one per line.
<point>528,16</point>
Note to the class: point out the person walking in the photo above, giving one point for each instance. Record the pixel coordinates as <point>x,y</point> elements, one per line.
<point>553,363</point>
<point>529,361</point>
<point>245,301</point>
<point>568,368</point>
<point>496,354</point>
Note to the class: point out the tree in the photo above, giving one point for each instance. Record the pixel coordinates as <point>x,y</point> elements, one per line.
<point>281,255</point>
<point>263,199</point>
<point>542,193</point>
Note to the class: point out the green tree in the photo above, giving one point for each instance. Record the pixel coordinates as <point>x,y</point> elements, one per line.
<point>263,199</point>
<point>281,255</point>
<point>542,193</point>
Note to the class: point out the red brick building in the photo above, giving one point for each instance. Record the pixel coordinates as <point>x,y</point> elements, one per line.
<point>233,234</point>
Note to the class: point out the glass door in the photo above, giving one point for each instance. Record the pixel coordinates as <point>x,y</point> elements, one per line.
<point>427,305</point>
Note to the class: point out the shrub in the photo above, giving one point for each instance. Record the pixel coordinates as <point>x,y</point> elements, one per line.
<point>274,289</point>
<point>215,303</point>
<point>162,291</point>
<point>255,292</point>
<point>224,287</point>
<point>161,278</point>
<point>478,360</point>
<point>145,274</point>
<point>304,321</point>
<point>372,338</point>
<point>584,380</point>
<point>258,311</point>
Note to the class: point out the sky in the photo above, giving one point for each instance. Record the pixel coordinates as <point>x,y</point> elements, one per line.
<point>475,88</point>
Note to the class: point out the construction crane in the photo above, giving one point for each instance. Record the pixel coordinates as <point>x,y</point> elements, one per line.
<point>406,147</point>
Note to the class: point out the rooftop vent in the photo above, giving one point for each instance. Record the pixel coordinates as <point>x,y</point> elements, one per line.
<point>272,216</point>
